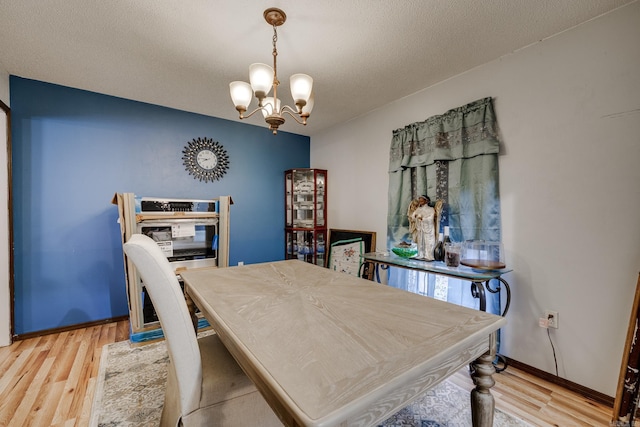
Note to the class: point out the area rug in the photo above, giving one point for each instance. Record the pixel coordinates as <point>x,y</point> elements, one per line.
<point>130,393</point>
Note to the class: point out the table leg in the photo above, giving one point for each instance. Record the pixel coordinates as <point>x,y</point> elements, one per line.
<point>192,311</point>
<point>482,403</point>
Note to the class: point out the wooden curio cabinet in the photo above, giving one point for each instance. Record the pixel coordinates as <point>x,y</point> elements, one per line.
<point>306,215</point>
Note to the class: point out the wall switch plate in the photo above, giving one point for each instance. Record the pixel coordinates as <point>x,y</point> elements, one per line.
<point>552,318</point>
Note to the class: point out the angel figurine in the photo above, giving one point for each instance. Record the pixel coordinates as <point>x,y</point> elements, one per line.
<point>424,222</point>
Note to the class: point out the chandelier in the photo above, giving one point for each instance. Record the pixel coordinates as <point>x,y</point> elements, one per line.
<point>262,78</point>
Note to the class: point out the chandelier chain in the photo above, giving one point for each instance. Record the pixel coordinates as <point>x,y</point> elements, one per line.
<point>275,54</point>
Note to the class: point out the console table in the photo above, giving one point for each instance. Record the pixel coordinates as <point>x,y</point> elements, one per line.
<point>480,279</point>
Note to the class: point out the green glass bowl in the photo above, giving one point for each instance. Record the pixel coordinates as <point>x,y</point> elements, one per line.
<point>407,252</point>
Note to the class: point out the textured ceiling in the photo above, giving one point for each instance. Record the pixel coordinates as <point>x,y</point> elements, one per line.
<point>362,54</point>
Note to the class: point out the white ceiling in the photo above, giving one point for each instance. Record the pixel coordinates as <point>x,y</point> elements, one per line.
<point>362,54</point>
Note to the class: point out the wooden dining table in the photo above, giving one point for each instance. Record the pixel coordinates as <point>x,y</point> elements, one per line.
<point>330,349</point>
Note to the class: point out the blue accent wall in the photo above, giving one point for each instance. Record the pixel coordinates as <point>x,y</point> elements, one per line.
<point>73,149</point>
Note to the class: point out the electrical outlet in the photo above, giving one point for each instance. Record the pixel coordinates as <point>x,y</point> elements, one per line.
<point>552,318</point>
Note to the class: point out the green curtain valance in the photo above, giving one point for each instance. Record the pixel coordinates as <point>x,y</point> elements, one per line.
<point>460,133</point>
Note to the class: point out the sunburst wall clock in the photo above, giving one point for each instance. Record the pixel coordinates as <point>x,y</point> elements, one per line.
<point>205,159</point>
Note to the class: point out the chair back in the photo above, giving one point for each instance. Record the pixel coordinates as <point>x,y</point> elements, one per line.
<point>168,300</point>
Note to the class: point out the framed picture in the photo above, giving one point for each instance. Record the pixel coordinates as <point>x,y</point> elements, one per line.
<point>626,402</point>
<point>345,248</point>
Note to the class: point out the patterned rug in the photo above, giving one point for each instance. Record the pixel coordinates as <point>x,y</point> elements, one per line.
<point>130,393</point>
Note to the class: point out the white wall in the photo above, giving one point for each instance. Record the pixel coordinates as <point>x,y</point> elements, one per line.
<point>4,85</point>
<point>5,316</point>
<point>569,112</point>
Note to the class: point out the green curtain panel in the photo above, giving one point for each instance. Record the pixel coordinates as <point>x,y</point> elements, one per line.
<point>451,157</point>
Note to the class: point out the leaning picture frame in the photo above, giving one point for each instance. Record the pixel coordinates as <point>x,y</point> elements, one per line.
<point>625,405</point>
<point>344,250</point>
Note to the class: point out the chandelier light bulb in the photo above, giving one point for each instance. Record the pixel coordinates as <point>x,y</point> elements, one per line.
<point>261,78</point>
<point>301,85</point>
<point>268,104</point>
<point>241,95</point>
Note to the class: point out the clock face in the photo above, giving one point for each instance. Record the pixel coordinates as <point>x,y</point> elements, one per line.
<point>205,159</point>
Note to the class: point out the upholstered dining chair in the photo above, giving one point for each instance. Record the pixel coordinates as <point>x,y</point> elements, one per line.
<point>205,385</point>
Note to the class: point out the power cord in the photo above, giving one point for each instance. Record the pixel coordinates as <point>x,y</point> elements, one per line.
<point>554,352</point>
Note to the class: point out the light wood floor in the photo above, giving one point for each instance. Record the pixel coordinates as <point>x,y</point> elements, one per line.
<point>539,402</point>
<point>50,381</point>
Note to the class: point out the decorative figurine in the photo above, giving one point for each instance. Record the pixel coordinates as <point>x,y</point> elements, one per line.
<point>424,222</point>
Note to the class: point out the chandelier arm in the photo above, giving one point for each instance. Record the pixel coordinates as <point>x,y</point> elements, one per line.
<point>242,116</point>
<point>293,113</point>
<point>292,110</point>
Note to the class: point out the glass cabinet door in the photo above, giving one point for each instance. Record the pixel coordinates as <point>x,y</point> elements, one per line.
<point>307,246</point>
<point>320,200</point>
<point>288,184</point>
<point>304,199</point>
<point>305,214</point>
